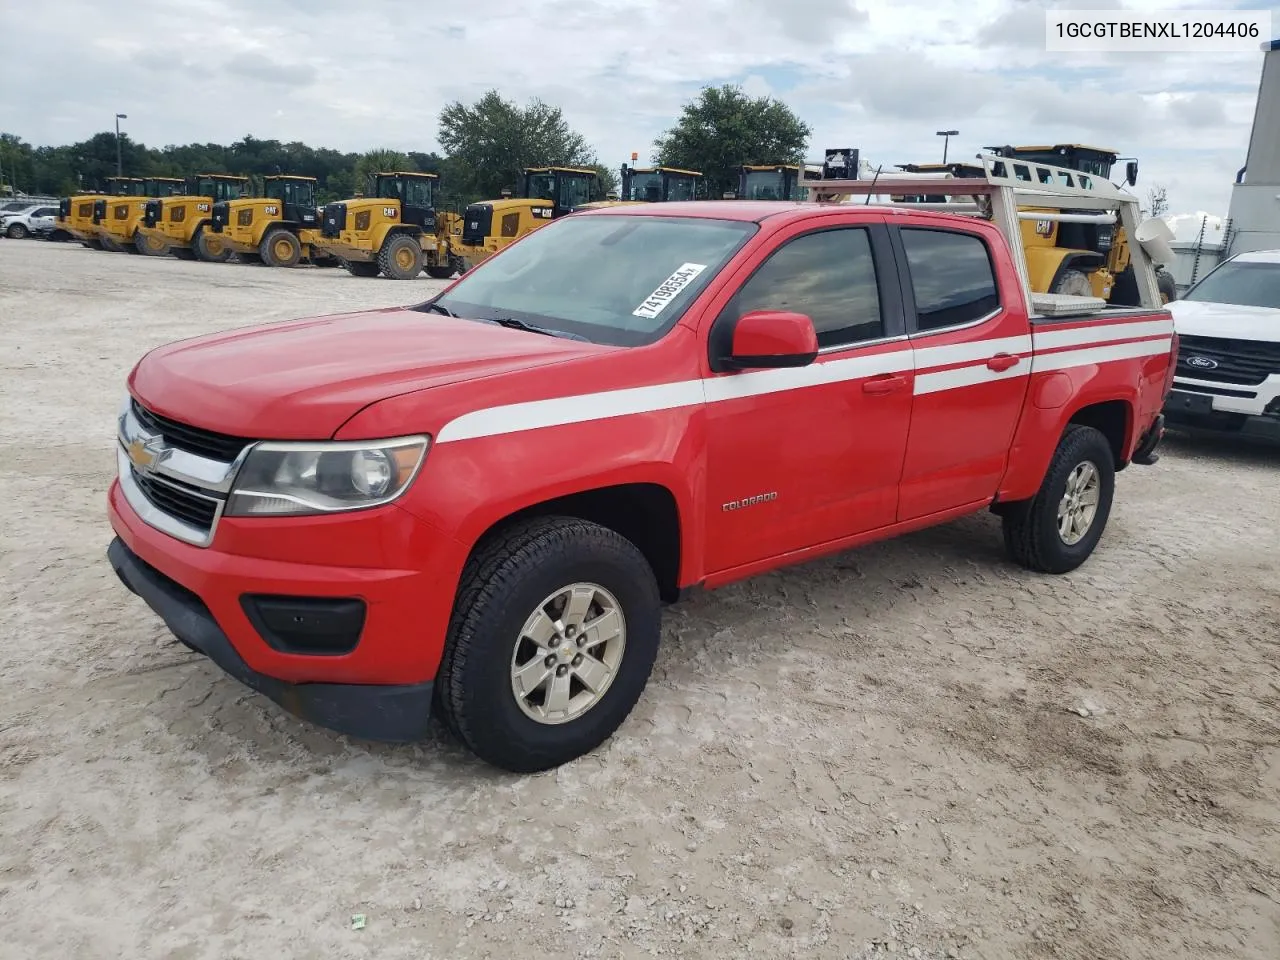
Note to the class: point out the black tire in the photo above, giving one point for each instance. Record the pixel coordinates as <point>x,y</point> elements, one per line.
<point>110,245</point>
<point>209,247</point>
<point>93,244</point>
<point>439,273</point>
<point>1168,286</point>
<point>1073,282</point>
<point>1031,533</point>
<point>249,257</point>
<point>17,231</point>
<point>280,248</point>
<point>363,268</point>
<point>501,585</point>
<point>400,257</point>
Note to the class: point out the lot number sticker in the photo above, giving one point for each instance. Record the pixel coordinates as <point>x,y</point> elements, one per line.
<point>668,290</point>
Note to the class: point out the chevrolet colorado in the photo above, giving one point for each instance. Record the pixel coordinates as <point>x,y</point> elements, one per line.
<point>475,507</point>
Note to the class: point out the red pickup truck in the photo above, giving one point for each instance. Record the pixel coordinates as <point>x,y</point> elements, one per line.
<point>475,507</point>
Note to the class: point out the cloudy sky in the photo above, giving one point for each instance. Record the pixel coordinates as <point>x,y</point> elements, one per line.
<point>881,75</point>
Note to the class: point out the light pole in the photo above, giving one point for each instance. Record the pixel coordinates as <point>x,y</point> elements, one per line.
<point>946,139</point>
<point>119,158</point>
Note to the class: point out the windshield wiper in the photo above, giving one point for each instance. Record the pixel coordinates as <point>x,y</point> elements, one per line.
<point>439,309</point>
<point>513,324</point>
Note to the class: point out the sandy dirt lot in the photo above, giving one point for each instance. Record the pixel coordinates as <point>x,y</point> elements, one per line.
<point>916,749</point>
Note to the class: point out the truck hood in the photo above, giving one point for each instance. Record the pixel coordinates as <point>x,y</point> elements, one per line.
<point>302,379</point>
<point>1197,318</point>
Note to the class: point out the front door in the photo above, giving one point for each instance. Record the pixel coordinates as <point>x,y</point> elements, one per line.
<point>972,347</point>
<point>798,457</point>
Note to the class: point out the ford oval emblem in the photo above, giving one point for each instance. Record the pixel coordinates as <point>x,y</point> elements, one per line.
<point>1202,363</point>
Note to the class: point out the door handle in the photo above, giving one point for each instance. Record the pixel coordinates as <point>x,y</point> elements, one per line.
<point>1003,361</point>
<point>884,384</point>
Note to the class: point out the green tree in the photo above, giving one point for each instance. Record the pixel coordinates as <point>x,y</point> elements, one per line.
<point>379,161</point>
<point>724,128</point>
<point>494,139</point>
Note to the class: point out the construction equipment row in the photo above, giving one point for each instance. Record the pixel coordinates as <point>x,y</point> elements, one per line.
<point>400,228</point>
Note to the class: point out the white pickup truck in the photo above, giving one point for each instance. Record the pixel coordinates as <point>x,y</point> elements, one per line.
<point>1228,374</point>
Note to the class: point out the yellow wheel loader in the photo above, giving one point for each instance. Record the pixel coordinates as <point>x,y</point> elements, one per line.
<point>118,227</point>
<point>1085,258</point>
<point>546,193</point>
<point>80,214</point>
<point>653,185</point>
<point>182,224</point>
<point>279,229</point>
<point>770,182</point>
<point>392,231</point>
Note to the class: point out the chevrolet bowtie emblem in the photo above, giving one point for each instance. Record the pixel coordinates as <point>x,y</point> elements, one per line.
<point>146,453</point>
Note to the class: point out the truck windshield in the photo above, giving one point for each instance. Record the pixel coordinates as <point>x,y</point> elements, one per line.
<point>770,185</point>
<point>681,188</point>
<point>620,280</point>
<point>1240,284</point>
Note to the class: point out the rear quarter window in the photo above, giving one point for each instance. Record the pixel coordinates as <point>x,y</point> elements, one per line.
<point>952,277</point>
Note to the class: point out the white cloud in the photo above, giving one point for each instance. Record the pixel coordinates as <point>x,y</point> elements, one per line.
<point>863,73</point>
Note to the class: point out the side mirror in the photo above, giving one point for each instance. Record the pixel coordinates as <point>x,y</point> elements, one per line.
<point>1131,172</point>
<point>772,339</point>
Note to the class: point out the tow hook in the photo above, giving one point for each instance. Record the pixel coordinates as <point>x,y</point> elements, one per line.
<point>1146,454</point>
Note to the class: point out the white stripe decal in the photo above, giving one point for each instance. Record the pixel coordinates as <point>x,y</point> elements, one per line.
<point>966,377</point>
<point>968,352</point>
<point>760,382</point>
<point>560,411</point>
<point>1086,358</point>
<point>1049,339</point>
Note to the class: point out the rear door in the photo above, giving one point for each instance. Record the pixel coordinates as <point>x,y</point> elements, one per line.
<point>971,340</point>
<point>799,457</point>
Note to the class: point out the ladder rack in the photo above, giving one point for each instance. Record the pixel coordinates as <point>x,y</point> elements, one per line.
<point>1007,184</point>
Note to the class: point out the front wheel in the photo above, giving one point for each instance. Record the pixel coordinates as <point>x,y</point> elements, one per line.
<point>16,231</point>
<point>149,246</point>
<point>553,637</point>
<point>1057,529</point>
<point>1073,283</point>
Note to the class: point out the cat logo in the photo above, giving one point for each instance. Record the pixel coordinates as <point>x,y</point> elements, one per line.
<point>391,213</point>
<point>1044,228</point>
<point>542,213</point>
<point>271,210</point>
<point>202,207</point>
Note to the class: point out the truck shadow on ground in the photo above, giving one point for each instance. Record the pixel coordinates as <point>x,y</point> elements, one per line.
<point>758,620</point>
<point>1228,449</point>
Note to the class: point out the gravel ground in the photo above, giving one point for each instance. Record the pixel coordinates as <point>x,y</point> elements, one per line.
<point>914,749</point>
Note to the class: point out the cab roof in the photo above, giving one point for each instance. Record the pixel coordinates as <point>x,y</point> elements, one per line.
<point>221,176</point>
<point>402,173</point>
<point>1258,256</point>
<point>289,176</point>
<point>1069,146</point>
<point>770,166</point>
<point>559,170</point>
<point>661,169</point>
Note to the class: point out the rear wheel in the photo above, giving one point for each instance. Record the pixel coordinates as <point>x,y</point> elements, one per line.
<point>362,268</point>
<point>210,247</point>
<point>149,246</point>
<point>109,244</point>
<point>1073,283</point>
<point>553,637</point>
<point>400,257</point>
<point>1057,529</point>
<point>17,231</point>
<point>280,248</point>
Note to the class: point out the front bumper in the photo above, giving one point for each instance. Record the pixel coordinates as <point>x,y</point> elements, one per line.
<point>1247,410</point>
<point>396,713</point>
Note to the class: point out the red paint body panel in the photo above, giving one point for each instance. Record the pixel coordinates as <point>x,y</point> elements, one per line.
<point>766,467</point>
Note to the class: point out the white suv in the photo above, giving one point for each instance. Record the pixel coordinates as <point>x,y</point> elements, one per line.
<point>33,220</point>
<point>1228,373</point>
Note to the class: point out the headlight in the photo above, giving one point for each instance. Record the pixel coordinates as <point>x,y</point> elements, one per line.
<point>283,479</point>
